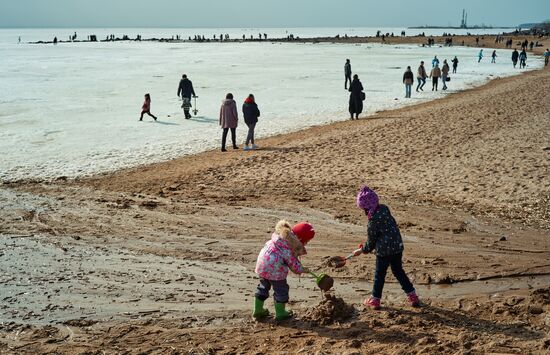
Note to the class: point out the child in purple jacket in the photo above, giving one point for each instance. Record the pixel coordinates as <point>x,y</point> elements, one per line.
<point>279,255</point>
<point>385,239</point>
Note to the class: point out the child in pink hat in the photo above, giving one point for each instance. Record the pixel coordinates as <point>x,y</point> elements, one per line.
<point>385,239</point>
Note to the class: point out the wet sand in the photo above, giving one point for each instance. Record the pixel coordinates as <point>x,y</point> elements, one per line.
<point>160,258</point>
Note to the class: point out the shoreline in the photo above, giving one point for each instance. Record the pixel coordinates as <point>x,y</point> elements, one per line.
<point>330,120</point>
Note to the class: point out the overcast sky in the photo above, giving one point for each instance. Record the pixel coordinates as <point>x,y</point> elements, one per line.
<point>267,13</point>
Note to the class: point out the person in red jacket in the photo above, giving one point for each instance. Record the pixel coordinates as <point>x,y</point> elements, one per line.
<point>146,108</point>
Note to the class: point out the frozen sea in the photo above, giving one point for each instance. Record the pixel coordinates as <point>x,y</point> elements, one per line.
<point>72,109</point>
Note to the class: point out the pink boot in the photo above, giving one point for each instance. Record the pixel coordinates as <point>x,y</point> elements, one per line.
<point>372,302</point>
<point>413,299</point>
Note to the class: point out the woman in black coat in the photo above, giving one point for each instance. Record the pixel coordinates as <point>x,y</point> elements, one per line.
<point>356,97</point>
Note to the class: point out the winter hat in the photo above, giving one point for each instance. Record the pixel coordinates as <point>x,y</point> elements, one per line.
<point>304,232</point>
<point>367,199</point>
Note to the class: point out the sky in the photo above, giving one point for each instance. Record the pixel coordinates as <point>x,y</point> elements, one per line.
<point>268,13</point>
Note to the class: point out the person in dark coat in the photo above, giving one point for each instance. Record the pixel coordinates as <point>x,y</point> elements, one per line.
<point>347,73</point>
<point>185,89</point>
<point>385,240</point>
<point>455,64</point>
<point>522,59</point>
<point>408,80</point>
<point>250,114</point>
<point>515,57</point>
<point>355,97</point>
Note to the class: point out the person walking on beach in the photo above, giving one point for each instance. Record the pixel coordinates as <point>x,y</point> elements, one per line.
<point>515,57</point>
<point>494,57</point>
<point>250,114</point>
<point>435,74</point>
<point>522,59</point>
<point>435,61</point>
<point>228,120</point>
<point>146,108</point>
<point>445,74</point>
<point>408,80</point>
<point>185,89</point>
<point>455,64</point>
<point>480,56</point>
<point>421,77</point>
<point>546,57</point>
<point>356,97</point>
<point>347,73</point>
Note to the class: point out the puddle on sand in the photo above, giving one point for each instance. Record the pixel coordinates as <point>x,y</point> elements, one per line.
<point>48,280</point>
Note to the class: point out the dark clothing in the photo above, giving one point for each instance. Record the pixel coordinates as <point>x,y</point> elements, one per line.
<point>383,234</point>
<point>251,112</point>
<point>250,135</point>
<point>280,290</point>
<point>186,88</point>
<point>355,98</point>
<point>233,138</point>
<point>515,56</point>
<point>455,65</point>
<point>146,112</point>
<point>421,83</point>
<point>435,79</point>
<point>408,77</point>
<point>347,74</point>
<point>396,263</point>
<point>347,69</point>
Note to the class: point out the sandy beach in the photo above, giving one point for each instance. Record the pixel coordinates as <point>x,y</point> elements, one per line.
<point>160,259</point>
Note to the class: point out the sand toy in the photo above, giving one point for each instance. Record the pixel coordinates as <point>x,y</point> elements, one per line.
<point>195,110</point>
<point>324,281</point>
<point>340,261</point>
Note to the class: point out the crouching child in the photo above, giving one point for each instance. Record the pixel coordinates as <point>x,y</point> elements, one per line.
<point>277,256</point>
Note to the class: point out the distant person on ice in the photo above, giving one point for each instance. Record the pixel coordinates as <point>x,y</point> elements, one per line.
<point>278,256</point>
<point>228,120</point>
<point>385,239</point>
<point>515,57</point>
<point>435,61</point>
<point>356,97</point>
<point>250,114</point>
<point>522,59</point>
<point>408,80</point>
<point>455,64</point>
<point>435,74</point>
<point>494,57</point>
<point>185,89</point>
<point>347,73</point>
<point>480,56</point>
<point>445,74</point>
<point>146,108</point>
<point>421,76</point>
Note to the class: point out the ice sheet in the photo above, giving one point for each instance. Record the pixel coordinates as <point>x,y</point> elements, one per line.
<point>72,109</point>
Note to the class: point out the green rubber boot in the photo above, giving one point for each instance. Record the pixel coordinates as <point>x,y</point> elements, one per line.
<point>280,312</point>
<point>259,310</point>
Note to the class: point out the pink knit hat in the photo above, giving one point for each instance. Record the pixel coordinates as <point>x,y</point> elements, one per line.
<point>367,199</point>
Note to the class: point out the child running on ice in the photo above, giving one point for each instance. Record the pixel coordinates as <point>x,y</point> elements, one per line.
<point>384,238</point>
<point>275,259</point>
<point>146,108</point>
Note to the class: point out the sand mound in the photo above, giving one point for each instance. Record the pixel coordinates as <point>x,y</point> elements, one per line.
<point>332,309</point>
<point>541,296</point>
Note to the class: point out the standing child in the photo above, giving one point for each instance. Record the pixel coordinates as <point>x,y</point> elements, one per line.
<point>146,108</point>
<point>278,256</point>
<point>384,238</point>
